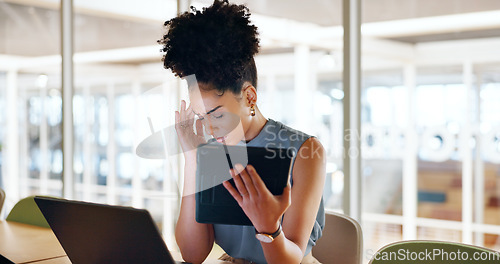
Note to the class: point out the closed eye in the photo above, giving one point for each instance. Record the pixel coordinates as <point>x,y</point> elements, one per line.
<point>218,116</point>
<point>197,115</point>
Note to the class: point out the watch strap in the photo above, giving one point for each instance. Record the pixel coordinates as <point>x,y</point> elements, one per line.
<point>273,235</point>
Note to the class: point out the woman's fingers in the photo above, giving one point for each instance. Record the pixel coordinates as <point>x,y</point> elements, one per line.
<point>183,105</point>
<point>257,181</point>
<point>185,118</point>
<point>189,112</point>
<point>240,185</point>
<point>199,128</point>
<point>183,110</point>
<point>247,180</point>
<point>236,195</point>
<point>286,198</point>
<point>177,119</point>
<point>182,115</point>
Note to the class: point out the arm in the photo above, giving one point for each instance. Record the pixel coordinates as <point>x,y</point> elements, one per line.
<point>195,240</point>
<point>308,181</point>
<point>300,205</point>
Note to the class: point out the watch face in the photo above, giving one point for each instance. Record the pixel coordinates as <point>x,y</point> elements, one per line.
<point>264,238</point>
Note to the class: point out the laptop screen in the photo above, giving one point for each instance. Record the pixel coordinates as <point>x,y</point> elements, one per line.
<point>96,233</point>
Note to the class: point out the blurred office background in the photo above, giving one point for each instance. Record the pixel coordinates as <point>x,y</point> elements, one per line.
<point>430,106</point>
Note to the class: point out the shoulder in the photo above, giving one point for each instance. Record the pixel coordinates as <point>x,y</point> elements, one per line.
<point>308,146</point>
<point>309,149</point>
<point>285,136</point>
<point>288,133</point>
<point>311,154</point>
<point>312,149</point>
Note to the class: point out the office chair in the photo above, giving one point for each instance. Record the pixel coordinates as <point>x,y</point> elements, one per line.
<point>341,242</point>
<point>26,211</point>
<point>434,252</point>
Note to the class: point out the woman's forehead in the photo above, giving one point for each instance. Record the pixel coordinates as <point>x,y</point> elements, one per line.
<point>204,101</point>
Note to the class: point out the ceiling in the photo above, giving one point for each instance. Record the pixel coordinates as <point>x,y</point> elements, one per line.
<point>34,31</point>
<point>458,35</point>
<point>31,28</point>
<point>329,12</point>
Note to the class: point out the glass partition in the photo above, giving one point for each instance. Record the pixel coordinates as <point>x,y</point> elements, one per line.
<point>428,131</point>
<point>30,101</point>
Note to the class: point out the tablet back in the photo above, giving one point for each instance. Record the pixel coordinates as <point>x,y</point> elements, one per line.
<point>214,204</point>
<point>95,233</point>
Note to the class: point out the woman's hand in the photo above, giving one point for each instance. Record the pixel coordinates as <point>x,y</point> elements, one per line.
<point>184,127</point>
<point>259,204</point>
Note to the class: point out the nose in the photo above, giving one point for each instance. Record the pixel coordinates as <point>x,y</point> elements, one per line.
<point>209,128</point>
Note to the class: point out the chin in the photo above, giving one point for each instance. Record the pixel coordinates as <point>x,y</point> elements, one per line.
<point>229,139</point>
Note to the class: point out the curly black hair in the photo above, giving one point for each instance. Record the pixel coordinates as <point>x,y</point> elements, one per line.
<point>216,44</point>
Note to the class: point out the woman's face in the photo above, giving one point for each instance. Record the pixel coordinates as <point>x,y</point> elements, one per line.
<point>224,117</point>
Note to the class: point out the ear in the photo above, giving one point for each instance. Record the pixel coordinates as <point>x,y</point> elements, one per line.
<point>250,95</point>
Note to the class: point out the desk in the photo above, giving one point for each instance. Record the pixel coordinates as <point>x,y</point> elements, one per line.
<point>175,255</point>
<point>60,260</point>
<point>23,243</point>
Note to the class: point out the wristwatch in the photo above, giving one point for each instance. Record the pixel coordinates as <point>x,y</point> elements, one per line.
<point>267,238</point>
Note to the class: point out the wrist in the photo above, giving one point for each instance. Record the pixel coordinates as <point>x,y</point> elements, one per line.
<point>268,237</point>
<point>190,158</point>
<point>269,229</point>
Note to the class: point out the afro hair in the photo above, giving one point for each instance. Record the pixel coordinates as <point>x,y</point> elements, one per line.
<point>216,44</point>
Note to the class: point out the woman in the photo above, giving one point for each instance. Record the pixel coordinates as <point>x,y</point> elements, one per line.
<point>213,50</point>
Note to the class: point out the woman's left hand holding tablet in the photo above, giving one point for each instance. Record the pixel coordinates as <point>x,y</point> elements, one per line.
<point>189,140</point>
<point>262,207</point>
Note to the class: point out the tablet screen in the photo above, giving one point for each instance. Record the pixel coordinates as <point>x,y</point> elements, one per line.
<point>214,204</point>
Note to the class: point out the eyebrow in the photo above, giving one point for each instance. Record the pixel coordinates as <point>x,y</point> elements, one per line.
<point>211,111</point>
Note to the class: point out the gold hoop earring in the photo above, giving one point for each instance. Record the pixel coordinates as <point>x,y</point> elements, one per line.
<point>252,110</point>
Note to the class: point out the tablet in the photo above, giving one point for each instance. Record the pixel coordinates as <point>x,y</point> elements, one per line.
<point>214,204</point>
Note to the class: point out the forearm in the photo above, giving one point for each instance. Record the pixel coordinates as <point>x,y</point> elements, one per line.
<point>282,250</point>
<point>195,240</point>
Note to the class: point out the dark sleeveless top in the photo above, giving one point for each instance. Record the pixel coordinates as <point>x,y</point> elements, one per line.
<point>240,241</point>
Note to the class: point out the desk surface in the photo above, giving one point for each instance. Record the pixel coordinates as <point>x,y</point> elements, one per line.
<point>26,243</point>
<point>176,255</point>
<point>23,243</point>
<point>59,260</point>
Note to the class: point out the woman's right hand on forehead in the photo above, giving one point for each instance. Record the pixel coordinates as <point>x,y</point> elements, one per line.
<point>189,139</point>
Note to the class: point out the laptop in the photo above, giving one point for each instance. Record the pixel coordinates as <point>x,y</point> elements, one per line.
<point>97,233</point>
<point>214,204</point>
<point>5,260</point>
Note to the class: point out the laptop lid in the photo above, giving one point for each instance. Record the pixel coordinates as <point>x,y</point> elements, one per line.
<point>5,260</point>
<point>97,233</point>
<point>214,204</point>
